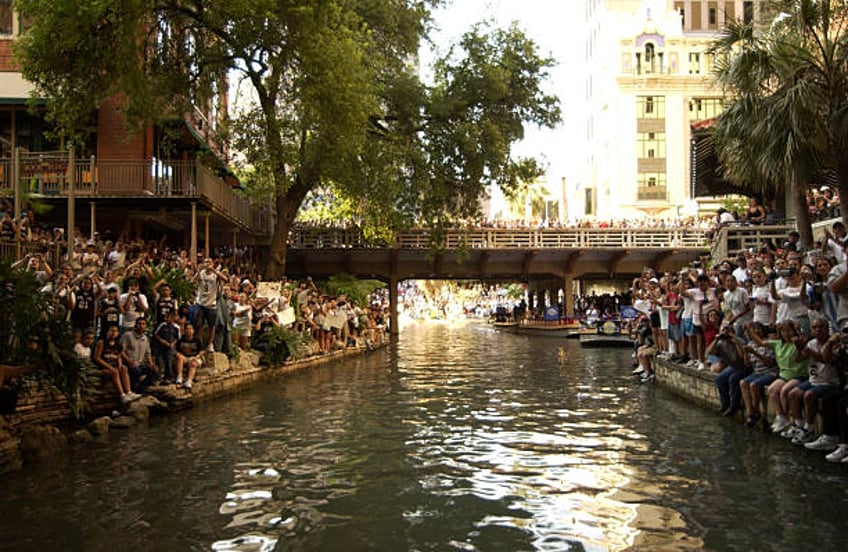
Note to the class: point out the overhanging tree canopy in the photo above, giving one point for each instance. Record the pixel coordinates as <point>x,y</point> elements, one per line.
<point>787,83</point>
<point>334,97</point>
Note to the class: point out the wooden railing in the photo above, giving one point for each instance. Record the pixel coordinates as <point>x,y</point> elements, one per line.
<point>489,238</point>
<point>49,175</point>
<point>732,239</point>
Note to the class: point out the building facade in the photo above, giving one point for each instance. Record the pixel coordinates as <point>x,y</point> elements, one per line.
<point>647,79</point>
<point>169,177</point>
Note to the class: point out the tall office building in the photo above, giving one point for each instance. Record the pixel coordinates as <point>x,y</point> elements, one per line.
<point>647,80</point>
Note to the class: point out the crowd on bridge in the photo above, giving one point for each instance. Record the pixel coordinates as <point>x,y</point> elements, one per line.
<point>771,321</point>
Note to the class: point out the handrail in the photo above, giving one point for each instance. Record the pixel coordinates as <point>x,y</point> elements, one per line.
<point>503,238</point>
<point>47,174</point>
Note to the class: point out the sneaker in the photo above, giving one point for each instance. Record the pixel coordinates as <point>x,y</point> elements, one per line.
<point>791,432</point>
<point>187,385</point>
<point>648,377</point>
<point>780,423</point>
<point>824,442</point>
<point>210,348</point>
<point>838,455</point>
<point>701,366</point>
<point>126,398</point>
<point>179,383</point>
<point>692,363</point>
<point>803,437</point>
<point>638,370</point>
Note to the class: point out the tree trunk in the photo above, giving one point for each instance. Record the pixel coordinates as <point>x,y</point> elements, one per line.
<point>842,176</point>
<point>276,267</point>
<point>802,217</point>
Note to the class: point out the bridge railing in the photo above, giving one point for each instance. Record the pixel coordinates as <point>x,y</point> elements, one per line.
<point>511,238</point>
<point>732,239</point>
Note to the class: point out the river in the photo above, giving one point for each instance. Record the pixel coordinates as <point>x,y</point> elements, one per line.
<point>455,438</point>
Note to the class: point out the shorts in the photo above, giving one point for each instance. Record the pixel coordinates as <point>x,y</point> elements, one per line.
<point>675,332</point>
<point>646,351</point>
<point>208,315</point>
<point>663,319</point>
<point>818,390</point>
<point>688,327</point>
<point>655,319</point>
<point>761,380</point>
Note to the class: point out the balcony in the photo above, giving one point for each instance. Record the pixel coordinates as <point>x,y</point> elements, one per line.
<point>651,193</point>
<point>47,175</point>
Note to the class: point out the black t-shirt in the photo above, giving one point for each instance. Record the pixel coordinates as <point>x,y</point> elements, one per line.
<point>83,313</point>
<point>111,352</point>
<point>164,305</point>
<point>189,347</point>
<point>110,315</point>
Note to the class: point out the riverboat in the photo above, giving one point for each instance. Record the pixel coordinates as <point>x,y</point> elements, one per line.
<point>605,333</point>
<point>563,328</point>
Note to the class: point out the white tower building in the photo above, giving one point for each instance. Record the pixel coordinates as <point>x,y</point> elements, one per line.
<point>647,79</point>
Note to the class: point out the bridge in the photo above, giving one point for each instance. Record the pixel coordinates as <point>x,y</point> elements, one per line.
<point>547,259</point>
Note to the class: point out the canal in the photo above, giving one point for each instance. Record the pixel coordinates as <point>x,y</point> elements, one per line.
<point>455,438</point>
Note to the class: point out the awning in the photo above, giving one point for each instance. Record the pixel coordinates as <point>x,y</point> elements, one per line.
<point>14,89</point>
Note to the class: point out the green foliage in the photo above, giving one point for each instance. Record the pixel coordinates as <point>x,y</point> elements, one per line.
<point>182,289</point>
<point>332,99</point>
<point>283,344</point>
<point>34,335</point>
<point>356,290</point>
<point>786,83</point>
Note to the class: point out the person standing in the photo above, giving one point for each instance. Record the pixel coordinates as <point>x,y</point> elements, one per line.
<point>207,279</point>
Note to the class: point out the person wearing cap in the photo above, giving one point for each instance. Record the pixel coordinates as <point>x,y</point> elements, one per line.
<point>730,366</point>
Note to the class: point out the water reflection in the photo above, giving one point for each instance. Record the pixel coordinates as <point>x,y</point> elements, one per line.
<point>456,439</point>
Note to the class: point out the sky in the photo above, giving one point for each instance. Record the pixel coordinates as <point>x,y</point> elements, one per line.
<point>550,24</point>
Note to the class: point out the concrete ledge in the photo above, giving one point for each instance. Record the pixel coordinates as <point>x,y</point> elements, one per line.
<point>699,387</point>
<point>43,409</point>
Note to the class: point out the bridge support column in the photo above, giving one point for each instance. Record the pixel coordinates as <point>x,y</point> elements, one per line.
<point>394,323</point>
<point>568,293</point>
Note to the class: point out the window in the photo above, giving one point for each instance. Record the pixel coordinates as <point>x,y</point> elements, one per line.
<point>650,107</point>
<point>651,187</point>
<point>713,18</point>
<point>649,58</point>
<point>7,17</point>
<point>650,145</point>
<point>748,13</point>
<point>704,108</point>
<point>679,7</point>
<point>694,63</point>
<point>589,208</point>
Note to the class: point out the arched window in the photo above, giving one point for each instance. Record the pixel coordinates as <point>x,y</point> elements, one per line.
<point>649,57</point>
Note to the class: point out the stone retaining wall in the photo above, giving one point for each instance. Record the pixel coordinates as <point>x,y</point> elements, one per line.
<point>43,423</point>
<point>699,387</point>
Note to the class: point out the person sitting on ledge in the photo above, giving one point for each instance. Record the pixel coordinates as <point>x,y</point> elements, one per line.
<point>730,366</point>
<point>109,358</point>
<point>189,357</point>
<point>764,371</point>
<point>824,378</point>
<point>792,369</point>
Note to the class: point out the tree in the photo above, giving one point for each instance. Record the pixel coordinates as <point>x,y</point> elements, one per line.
<point>786,125</point>
<point>37,342</point>
<point>332,97</point>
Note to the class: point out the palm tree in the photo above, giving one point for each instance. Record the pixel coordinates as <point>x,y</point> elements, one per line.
<point>785,124</point>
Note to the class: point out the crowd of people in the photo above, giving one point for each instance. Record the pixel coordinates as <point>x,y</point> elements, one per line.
<point>126,319</point>
<point>770,323</point>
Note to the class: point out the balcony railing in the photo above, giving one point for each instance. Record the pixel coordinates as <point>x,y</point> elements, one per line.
<point>49,175</point>
<point>500,238</point>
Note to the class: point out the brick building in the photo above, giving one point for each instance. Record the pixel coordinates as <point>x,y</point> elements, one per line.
<point>169,177</point>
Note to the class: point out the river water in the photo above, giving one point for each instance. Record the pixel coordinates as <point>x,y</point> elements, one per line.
<point>455,438</point>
